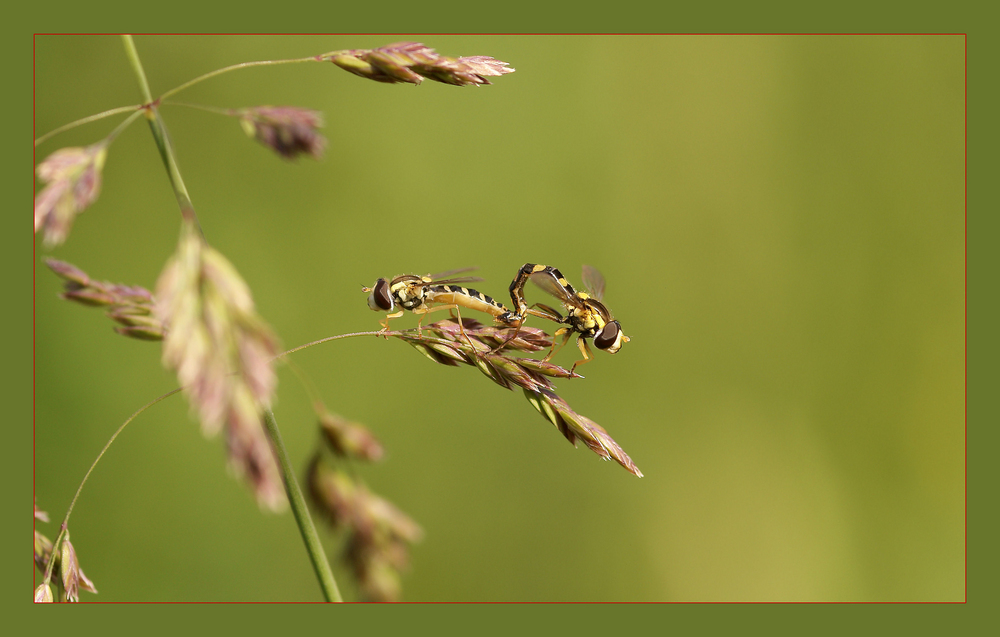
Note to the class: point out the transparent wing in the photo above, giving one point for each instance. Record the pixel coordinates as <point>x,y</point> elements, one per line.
<point>593,281</point>
<point>446,278</point>
<point>548,282</point>
<point>544,311</point>
<point>449,273</point>
<point>460,279</point>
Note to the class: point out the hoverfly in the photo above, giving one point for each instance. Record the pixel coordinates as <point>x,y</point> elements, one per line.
<point>585,313</point>
<point>423,294</point>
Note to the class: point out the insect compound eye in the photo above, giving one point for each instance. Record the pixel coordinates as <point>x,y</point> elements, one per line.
<point>380,300</point>
<point>609,338</point>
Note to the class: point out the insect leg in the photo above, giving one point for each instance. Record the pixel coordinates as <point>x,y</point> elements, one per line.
<point>451,306</point>
<point>385,323</point>
<point>426,310</point>
<point>461,328</point>
<point>585,350</point>
<point>566,333</point>
<point>517,330</point>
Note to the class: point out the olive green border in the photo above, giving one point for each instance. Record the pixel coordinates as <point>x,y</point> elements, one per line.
<point>727,17</point>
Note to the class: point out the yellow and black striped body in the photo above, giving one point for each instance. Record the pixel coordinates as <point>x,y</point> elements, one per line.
<point>529,270</point>
<point>585,314</point>
<point>471,299</point>
<point>422,294</point>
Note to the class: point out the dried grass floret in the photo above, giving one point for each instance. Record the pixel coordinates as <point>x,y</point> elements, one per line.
<point>73,578</point>
<point>222,352</point>
<point>289,131</point>
<point>349,439</point>
<point>65,570</point>
<point>471,343</point>
<point>412,62</point>
<point>379,534</point>
<point>73,177</point>
<point>132,307</point>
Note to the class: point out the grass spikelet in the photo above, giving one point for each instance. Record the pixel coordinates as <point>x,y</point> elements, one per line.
<point>222,353</point>
<point>471,343</point>
<point>412,62</point>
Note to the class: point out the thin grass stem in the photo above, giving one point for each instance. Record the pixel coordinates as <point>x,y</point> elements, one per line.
<point>69,511</point>
<point>301,511</point>
<point>87,120</point>
<point>158,128</point>
<point>201,107</point>
<point>234,67</point>
<point>340,336</point>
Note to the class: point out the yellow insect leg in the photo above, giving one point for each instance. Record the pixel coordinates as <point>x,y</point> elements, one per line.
<point>585,350</point>
<point>562,331</point>
<point>385,323</point>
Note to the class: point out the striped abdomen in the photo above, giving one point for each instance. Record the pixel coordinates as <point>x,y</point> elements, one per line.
<point>468,298</point>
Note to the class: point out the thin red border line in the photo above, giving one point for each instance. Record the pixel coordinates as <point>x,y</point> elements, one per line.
<point>33,315</point>
<point>966,318</point>
<point>411,33</point>
<point>34,320</point>
<point>562,603</point>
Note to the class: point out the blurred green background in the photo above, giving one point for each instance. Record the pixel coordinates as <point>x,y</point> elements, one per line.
<point>780,221</point>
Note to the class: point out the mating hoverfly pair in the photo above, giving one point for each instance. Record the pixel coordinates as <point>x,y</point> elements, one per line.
<point>585,315</point>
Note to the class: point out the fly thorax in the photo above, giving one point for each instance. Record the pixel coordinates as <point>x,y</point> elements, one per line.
<point>411,301</point>
<point>408,295</point>
<point>584,321</point>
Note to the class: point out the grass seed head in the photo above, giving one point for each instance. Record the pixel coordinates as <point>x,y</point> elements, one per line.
<point>349,439</point>
<point>73,177</point>
<point>43,594</point>
<point>379,534</point>
<point>43,551</point>
<point>132,307</point>
<point>287,130</point>
<point>472,343</point>
<point>412,62</point>
<point>222,352</point>
<point>73,578</point>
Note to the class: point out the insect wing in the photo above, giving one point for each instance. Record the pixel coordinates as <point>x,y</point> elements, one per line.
<point>450,273</point>
<point>549,312</point>
<point>460,279</point>
<point>548,282</point>
<point>593,281</point>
